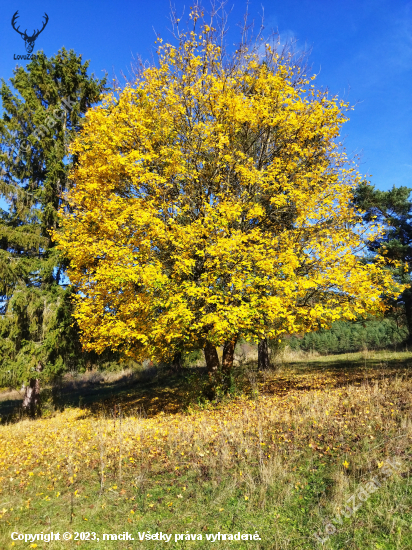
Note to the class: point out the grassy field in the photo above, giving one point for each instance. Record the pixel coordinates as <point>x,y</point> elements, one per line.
<point>291,457</point>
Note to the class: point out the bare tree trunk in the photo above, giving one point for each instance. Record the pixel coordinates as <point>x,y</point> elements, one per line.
<point>227,360</point>
<point>213,367</point>
<point>31,399</point>
<point>212,359</point>
<point>177,363</point>
<point>263,355</point>
<point>407,299</point>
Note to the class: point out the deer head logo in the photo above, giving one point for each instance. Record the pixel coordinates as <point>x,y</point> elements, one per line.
<point>28,40</point>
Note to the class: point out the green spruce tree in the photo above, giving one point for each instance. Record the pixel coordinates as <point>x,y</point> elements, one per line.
<point>393,209</point>
<point>42,111</point>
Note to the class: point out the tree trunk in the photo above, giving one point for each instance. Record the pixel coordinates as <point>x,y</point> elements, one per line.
<point>177,362</point>
<point>213,367</point>
<point>31,399</point>
<point>227,360</point>
<point>212,359</point>
<point>407,299</point>
<point>263,355</point>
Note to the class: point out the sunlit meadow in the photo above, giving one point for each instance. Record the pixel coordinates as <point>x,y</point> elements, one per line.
<point>279,458</point>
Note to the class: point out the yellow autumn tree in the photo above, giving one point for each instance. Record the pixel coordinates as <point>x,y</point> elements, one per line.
<point>212,201</point>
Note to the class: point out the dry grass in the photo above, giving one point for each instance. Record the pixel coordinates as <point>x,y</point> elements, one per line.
<point>10,395</point>
<point>280,463</point>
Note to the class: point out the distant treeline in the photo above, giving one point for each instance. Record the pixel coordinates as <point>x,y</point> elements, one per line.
<point>345,337</point>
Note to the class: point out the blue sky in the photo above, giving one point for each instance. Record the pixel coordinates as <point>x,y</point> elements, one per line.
<point>361,49</point>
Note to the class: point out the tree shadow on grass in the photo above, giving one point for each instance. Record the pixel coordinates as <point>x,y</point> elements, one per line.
<point>175,393</point>
<point>162,391</point>
<point>336,372</point>
<point>147,394</point>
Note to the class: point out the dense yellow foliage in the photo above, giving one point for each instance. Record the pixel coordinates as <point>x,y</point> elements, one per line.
<point>211,199</point>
